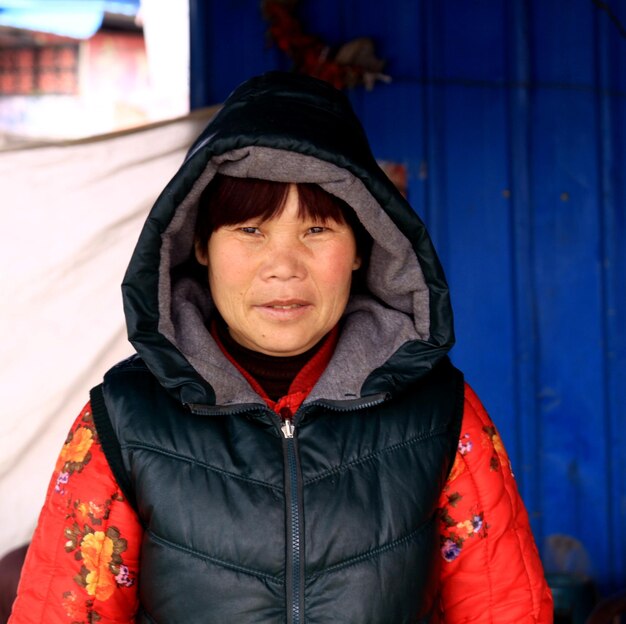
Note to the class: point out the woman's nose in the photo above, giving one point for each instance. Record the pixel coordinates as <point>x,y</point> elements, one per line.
<point>284,260</point>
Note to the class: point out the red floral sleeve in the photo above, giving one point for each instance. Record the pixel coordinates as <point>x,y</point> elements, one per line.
<point>490,568</point>
<point>83,561</point>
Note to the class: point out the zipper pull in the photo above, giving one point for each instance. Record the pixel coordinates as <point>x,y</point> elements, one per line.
<point>287,428</point>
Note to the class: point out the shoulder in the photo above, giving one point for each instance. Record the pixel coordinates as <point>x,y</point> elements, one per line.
<point>132,364</point>
<point>128,379</point>
<point>480,445</point>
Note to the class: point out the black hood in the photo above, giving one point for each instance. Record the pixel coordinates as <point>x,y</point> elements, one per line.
<point>289,128</point>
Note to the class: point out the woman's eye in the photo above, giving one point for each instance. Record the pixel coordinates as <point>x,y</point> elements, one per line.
<point>249,229</point>
<point>317,229</point>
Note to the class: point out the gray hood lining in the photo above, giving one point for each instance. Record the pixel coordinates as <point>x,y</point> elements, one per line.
<point>373,327</point>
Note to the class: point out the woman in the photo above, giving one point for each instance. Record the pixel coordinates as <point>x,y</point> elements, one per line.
<point>291,443</point>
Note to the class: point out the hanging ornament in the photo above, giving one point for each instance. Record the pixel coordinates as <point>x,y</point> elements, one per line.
<point>353,63</point>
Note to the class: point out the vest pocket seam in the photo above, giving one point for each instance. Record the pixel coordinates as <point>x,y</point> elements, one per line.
<point>214,560</point>
<point>195,462</point>
<point>366,458</point>
<point>371,554</point>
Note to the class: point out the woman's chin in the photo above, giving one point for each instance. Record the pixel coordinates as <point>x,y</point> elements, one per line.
<point>285,343</point>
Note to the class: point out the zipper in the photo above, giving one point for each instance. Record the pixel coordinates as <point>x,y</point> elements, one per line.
<point>294,578</point>
<point>287,429</point>
<point>200,409</point>
<point>351,405</point>
<point>247,408</point>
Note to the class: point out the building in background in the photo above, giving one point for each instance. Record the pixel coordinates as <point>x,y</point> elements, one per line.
<point>69,70</point>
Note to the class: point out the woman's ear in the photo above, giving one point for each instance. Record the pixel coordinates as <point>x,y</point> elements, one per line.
<point>201,253</point>
<point>357,263</point>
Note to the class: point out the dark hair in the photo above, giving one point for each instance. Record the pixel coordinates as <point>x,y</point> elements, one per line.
<point>228,201</point>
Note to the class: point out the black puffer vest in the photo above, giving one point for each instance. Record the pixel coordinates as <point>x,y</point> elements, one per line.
<point>246,522</point>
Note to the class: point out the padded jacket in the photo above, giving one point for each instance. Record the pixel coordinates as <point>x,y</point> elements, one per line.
<point>386,422</point>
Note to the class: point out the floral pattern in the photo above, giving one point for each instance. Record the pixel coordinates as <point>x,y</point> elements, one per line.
<point>97,547</point>
<point>100,553</point>
<point>461,521</point>
<point>76,452</point>
<point>465,444</point>
<point>493,443</point>
<point>457,533</point>
<point>72,606</point>
<point>472,524</point>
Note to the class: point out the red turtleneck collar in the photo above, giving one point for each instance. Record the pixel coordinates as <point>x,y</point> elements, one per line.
<point>295,374</point>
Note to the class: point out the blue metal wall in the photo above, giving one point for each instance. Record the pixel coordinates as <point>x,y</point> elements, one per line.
<point>510,117</point>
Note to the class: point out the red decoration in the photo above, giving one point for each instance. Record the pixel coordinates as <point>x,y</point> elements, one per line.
<point>354,63</point>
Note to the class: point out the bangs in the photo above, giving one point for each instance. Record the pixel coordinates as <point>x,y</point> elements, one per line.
<point>228,201</point>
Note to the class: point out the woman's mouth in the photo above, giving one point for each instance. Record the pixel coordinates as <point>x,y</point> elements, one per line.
<point>285,303</point>
<point>291,306</point>
<point>284,310</point>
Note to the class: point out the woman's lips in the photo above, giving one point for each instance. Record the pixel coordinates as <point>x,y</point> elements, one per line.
<point>284,309</point>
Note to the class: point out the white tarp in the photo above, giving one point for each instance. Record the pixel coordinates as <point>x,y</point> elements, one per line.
<point>70,217</point>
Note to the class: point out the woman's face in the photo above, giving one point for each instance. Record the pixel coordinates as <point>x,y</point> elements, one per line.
<point>282,284</point>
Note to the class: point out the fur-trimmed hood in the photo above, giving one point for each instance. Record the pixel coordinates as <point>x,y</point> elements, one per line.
<point>289,128</point>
